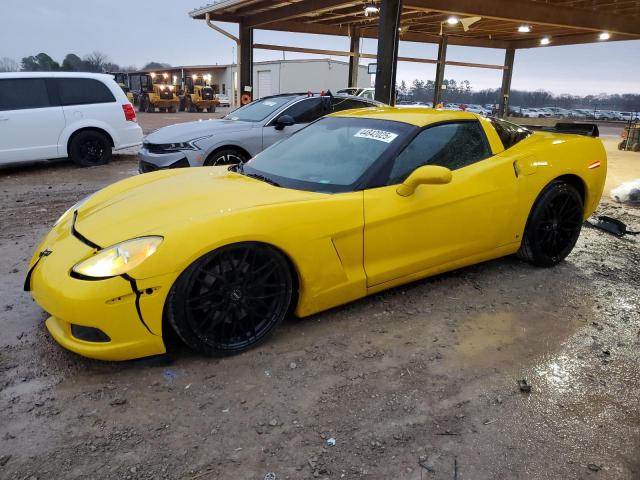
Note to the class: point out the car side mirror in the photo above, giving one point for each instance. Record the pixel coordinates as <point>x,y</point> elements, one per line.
<point>284,121</point>
<point>425,175</point>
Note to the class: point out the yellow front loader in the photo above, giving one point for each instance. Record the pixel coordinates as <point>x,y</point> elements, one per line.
<point>159,94</point>
<point>199,95</point>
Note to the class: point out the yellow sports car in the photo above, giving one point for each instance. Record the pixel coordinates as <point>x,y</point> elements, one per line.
<point>355,203</point>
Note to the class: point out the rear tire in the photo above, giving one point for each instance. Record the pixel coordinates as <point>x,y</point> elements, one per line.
<point>553,226</point>
<point>90,148</point>
<point>231,299</point>
<point>227,156</point>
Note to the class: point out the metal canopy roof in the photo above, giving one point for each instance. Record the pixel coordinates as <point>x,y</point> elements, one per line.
<point>565,22</point>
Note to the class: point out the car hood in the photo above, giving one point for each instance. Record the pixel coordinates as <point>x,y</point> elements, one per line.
<point>156,203</point>
<point>183,132</point>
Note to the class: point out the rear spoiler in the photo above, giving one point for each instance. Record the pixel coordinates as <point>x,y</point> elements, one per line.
<point>588,129</point>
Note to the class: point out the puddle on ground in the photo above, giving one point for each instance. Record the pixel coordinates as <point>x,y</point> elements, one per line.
<point>484,339</point>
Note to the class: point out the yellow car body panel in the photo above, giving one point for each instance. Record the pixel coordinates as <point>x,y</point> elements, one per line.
<point>342,246</point>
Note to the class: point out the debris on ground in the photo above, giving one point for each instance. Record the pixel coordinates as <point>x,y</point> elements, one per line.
<point>524,385</point>
<point>331,442</point>
<point>627,192</point>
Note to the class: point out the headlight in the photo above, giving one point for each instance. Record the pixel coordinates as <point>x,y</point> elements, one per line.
<point>189,145</point>
<point>76,206</point>
<point>118,259</point>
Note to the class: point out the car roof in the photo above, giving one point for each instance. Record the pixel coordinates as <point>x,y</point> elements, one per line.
<point>414,116</point>
<point>99,76</point>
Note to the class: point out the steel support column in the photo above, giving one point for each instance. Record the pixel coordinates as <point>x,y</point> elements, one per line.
<point>246,61</point>
<point>509,56</point>
<point>387,60</point>
<point>354,60</point>
<point>442,58</point>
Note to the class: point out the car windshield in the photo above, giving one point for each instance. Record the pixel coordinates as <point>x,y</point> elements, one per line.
<point>260,109</point>
<point>330,155</point>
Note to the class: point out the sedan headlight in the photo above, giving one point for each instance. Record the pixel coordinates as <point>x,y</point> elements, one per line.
<point>180,146</point>
<point>177,146</point>
<point>118,259</point>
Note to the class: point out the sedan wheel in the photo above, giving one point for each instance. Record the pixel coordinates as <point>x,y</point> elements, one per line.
<point>227,156</point>
<point>230,299</point>
<point>553,226</point>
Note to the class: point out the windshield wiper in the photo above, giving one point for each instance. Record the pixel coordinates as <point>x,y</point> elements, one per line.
<point>261,177</point>
<point>239,168</point>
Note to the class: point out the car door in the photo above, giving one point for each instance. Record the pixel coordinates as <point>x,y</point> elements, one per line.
<point>87,99</point>
<point>30,122</point>
<point>303,112</point>
<point>439,224</point>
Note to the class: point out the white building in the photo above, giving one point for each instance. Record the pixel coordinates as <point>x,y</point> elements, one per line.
<point>279,76</point>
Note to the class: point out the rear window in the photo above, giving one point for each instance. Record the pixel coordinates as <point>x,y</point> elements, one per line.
<point>83,91</point>
<point>509,133</point>
<point>23,93</point>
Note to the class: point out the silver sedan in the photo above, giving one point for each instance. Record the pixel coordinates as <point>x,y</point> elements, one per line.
<point>241,134</point>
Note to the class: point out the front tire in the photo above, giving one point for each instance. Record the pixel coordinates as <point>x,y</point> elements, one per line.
<point>90,148</point>
<point>227,156</point>
<point>553,226</point>
<point>231,299</point>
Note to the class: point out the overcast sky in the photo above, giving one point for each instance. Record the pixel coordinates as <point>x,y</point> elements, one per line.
<point>136,32</point>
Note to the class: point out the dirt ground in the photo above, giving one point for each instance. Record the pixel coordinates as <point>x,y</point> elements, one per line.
<point>419,382</point>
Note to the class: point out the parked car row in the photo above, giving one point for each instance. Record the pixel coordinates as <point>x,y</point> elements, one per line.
<point>578,113</point>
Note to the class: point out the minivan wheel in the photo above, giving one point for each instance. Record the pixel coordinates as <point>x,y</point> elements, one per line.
<point>90,148</point>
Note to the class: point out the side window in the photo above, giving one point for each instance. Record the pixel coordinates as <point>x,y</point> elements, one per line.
<point>308,110</point>
<point>368,94</point>
<point>82,91</point>
<point>340,104</point>
<point>451,145</point>
<point>509,133</point>
<point>23,93</point>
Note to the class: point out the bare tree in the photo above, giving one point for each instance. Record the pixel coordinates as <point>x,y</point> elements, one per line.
<point>9,65</point>
<point>96,61</point>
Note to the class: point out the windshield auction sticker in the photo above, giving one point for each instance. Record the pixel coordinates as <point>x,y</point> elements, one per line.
<point>380,135</point>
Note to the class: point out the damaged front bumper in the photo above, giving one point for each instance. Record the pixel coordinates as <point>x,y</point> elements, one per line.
<point>117,318</point>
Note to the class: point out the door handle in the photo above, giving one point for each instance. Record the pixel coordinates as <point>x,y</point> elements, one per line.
<point>4,119</point>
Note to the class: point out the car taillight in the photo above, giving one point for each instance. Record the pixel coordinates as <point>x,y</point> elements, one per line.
<point>129,112</point>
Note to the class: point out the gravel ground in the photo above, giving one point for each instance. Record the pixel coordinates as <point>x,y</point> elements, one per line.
<point>414,383</point>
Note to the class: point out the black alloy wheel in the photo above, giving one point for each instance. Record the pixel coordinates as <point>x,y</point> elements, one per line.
<point>227,156</point>
<point>90,148</point>
<point>230,299</point>
<point>554,225</point>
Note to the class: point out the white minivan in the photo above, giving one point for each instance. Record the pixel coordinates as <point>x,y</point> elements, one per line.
<point>46,115</point>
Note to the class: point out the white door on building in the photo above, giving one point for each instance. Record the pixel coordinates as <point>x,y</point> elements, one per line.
<point>264,83</point>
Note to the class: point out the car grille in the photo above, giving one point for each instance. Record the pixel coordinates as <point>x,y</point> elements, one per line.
<point>166,94</point>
